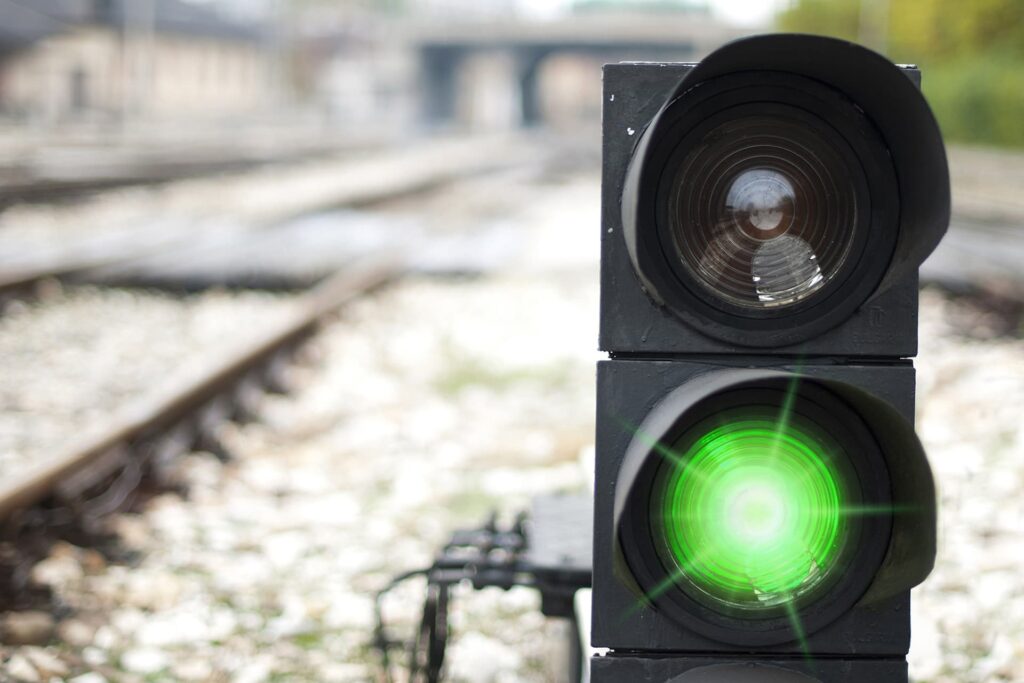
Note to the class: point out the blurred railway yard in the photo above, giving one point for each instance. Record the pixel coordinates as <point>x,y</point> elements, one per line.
<point>293,290</point>
<point>418,407</point>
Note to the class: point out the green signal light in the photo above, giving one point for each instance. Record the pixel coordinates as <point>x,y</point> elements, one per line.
<point>750,512</point>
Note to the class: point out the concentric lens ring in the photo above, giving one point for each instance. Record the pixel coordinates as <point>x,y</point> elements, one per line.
<point>749,516</point>
<point>763,211</point>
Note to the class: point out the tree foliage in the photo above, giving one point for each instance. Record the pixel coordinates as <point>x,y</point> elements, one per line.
<point>839,18</point>
<point>971,53</point>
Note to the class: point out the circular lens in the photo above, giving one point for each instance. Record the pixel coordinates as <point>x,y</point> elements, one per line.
<point>749,515</point>
<point>763,210</point>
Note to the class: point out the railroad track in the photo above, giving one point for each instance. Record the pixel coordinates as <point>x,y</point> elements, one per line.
<point>56,172</point>
<point>34,190</point>
<point>251,224</point>
<point>174,422</point>
<point>67,492</point>
<point>97,475</point>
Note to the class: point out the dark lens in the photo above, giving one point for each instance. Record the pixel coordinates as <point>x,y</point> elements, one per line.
<point>763,211</point>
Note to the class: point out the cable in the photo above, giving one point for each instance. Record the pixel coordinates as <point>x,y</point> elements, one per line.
<point>485,557</point>
<point>380,638</point>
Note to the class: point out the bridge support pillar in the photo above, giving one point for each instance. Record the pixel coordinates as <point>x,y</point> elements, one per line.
<point>529,88</point>
<point>438,85</point>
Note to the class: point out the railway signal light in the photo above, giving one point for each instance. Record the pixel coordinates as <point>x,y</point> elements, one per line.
<point>762,506</point>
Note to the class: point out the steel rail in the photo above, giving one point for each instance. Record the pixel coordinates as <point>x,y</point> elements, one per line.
<point>23,181</point>
<point>146,420</point>
<point>363,182</point>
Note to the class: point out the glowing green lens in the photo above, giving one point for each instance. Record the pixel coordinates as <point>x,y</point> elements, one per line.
<point>749,513</point>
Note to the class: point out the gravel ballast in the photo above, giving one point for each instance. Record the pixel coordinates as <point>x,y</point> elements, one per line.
<point>429,404</point>
<point>70,362</point>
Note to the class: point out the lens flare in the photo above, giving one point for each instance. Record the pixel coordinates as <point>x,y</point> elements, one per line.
<point>750,515</point>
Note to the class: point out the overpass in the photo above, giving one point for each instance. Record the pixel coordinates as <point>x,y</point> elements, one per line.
<point>441,50</point>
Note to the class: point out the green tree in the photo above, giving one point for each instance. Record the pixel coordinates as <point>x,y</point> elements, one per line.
<point>971,53</point>
<point>839,18</point>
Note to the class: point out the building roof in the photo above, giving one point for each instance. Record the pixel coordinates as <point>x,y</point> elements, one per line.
<point>176,16</point>
<point>34,19</point>
<point>22,25</point>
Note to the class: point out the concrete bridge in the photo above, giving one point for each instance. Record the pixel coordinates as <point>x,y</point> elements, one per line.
<point>443,50</point>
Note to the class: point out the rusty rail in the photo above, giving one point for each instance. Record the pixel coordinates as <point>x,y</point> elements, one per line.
<point>148,419</point>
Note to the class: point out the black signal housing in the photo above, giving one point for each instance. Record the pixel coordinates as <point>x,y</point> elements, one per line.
<point>764,216</point>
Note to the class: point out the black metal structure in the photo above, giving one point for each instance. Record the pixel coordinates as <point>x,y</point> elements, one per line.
<point>762,504</point>
<point>548,549</point>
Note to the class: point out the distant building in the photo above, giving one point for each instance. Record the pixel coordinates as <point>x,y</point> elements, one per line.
<point>366,78</point>
<point>461,10</point>
<point>484,66</point>
<point>114,59</point>
<point>641,6</point>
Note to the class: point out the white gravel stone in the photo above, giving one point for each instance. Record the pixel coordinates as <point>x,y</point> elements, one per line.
<point>46,663</point>
<point>75,632</point>
<point>348,611</point>
<point>192,669</point>
<point>90,677</point>
<point>338,672</point>
<point>68,363</point>
<point>144,661</point>
<point>95,656</point>
<point>255,671</point>
<point>57,570</point>
<point>479,659</point>
<point>172,628</point>
<point>19,668</point>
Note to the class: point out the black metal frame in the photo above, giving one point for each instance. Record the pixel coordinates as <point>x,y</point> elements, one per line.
<point>882,394</point>
<point>486,557</point>
<point>754,669</point>
<point>672,346</point>
<point>861,557</point>
<point>636,95</point>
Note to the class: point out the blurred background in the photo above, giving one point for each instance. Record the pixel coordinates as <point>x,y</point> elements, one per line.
<point>178,180</point>
<point>91,68</point>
